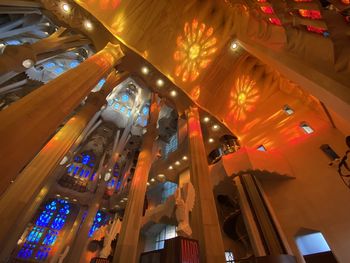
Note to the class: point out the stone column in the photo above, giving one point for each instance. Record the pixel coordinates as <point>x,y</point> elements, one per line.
<point>19,203</point>
<point>77,251</point>
<point>28,123</point>
<point>126,250</point>
<point>65,242</point>
<point>204,216</point>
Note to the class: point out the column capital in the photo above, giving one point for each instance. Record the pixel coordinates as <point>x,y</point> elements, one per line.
<point>113,53</point>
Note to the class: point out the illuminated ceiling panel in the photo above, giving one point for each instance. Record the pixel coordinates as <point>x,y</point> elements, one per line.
<point>195,48</point>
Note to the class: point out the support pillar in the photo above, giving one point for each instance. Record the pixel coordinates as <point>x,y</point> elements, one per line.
<point>79,247</point>
<point>76,253</point>
<point>126,250</point>
<point>28,123</point>
<point>65,242</point>
<point>19,203</point>
<point>204,216</point>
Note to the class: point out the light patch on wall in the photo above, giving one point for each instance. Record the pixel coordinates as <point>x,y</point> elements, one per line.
<point>106,4</point>
<point>243,98</point>
<point>119,24</point>
<point>195,48</point>
<point>195,92</point>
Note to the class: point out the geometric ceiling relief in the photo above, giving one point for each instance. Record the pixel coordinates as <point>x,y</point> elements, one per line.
<point>195,49</point>
<point>244,97</point>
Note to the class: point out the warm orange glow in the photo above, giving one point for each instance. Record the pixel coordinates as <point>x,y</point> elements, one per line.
<point>194,127</point>
<point>244,97</point>
<point>106,4</point>
<point>195,93</point>
<point>195,49</point>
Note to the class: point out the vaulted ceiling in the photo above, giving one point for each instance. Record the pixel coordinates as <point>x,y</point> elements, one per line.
<point>189,43</point>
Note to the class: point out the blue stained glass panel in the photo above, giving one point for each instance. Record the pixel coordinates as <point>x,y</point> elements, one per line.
<point>58,71</point>
<point>74,64</point>
<point>13,42</point>
<point>70,168</point>
<point>145,110</point>
<point>44,219</point>
<point>86,159</point>
<point>46,231</point>
<point>125,97</point>
<point>101,83</point>
<point>76,170</point>
<point>49,65</point>
<point>100,219</point>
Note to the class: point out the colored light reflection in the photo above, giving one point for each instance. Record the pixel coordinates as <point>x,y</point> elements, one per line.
<point>243,98</point>
<point>312,14</point>
<point>195,49</point>
<point>106,4</point>
<point>195,93</point>
<point>267,9</point>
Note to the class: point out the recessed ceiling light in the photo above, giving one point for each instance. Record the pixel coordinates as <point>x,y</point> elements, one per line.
<point>66,8</point>
<point>28,63</point>
<point>206,119</point>
<point>125,198</point>
<point>122,201</point>
<point>211,140</point>
<point>173,93</point>
<point>160,82</point>
<point>74,200</point>
<point>58,195</point>
<point>66,198</point>
<point>177,163</point>
<point>145,70</point>
<point>234,45</point>
<point>184,158</point>
<point>216,127</point>
<point>153,180</point>
<point>170,167</point>
<point>88,25</point>
<point>161,175</point>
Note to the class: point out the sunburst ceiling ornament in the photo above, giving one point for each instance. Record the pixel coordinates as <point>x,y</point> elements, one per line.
<point>195,49</point>
<point>243,98</point>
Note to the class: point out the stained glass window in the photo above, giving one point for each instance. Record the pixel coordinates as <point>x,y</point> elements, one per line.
<point>168,190</point>
<point>171,146</point>
<point>43,235</point>
<point>100,219</point>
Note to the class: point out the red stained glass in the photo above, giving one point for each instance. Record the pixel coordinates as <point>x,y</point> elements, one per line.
<point>275,21</point>
<point>267,9</point>
<point>315,29</point>
<point>313,14</point>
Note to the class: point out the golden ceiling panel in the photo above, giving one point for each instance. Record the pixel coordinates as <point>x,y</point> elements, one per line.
<point>188,41</point>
